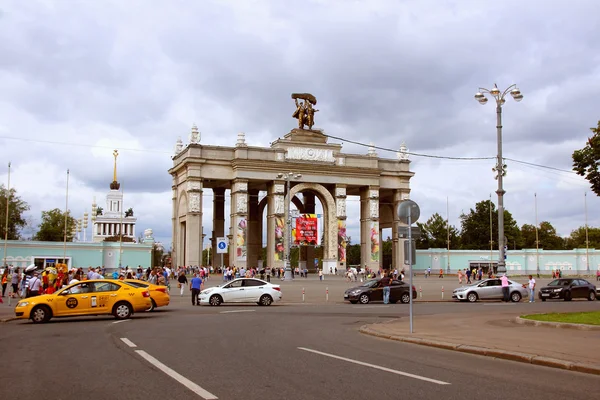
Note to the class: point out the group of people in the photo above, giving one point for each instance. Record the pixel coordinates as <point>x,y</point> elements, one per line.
<point>475,273</point>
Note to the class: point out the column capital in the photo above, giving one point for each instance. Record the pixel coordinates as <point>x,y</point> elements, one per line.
<point>194,186</point>
<point>239,186</point>
<point>340,190</point>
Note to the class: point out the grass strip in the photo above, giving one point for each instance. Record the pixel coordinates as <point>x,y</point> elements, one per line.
<point>588,318</point>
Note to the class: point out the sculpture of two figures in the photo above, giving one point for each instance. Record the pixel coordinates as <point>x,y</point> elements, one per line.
<point>305,111</point>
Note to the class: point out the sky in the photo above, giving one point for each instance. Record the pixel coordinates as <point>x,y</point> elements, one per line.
<point>81,78</point>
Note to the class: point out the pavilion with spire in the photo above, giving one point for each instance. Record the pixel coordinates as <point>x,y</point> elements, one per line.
<point>113,220</point>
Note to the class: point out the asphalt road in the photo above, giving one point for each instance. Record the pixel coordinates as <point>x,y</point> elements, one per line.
<point>251,352</point>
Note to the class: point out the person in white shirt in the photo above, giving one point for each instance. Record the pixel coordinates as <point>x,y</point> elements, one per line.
<point>531,289</point>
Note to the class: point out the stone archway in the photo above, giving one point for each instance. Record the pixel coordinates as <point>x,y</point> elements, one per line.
<point>329,221</point>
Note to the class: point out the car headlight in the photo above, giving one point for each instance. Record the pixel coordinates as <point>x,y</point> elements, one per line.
<point>23,304</point>
<point>460,289</point>
<point>206,291</point>
<point>357,291</point>
<point>557,290</point>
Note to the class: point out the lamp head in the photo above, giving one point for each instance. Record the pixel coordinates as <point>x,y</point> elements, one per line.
<point>479,96</point>
<point>298,176</point>
<point>280,175</point>
<point>483,100</point>
<point>516,94</point>
<point>495,91</point>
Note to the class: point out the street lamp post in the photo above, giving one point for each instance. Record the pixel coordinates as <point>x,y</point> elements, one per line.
<point>500,167</point>
<point>288,176</point>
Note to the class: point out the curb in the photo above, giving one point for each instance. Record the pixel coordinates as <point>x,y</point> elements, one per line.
<point>8,319</point>
<point>484,351</point>
<point>581,327</point>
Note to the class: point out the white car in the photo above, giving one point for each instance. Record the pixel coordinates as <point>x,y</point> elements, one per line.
<point>242,290</point>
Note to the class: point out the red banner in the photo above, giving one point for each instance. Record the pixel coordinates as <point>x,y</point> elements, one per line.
<point>306,229</point>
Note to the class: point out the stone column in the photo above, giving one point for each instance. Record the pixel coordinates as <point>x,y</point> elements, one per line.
<point>193,224</point>
<point>254,236</point>
<point>370,240</point>
<point>275,224</point>
<point>239,223</point>
<point>342,236</point>
<point>218,223</point>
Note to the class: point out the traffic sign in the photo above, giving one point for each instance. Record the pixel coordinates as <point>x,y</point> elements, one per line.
<point>221,245</point>
<point>403,232</point>
<point>409,208</point>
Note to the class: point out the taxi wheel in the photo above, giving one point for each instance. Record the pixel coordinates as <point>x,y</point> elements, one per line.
<point>40,314</point>
<point>152,307</point>
<point>122,310</point>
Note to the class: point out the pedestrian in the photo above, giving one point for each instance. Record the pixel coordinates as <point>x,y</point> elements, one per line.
<point>14,282</point>
<point>4,280</point>
<point>531,289</point>
<point>386,283</point>
<point>268,271</point>
<point>460,276</point>
<point>181,282</point>
<point>598,275</point>
<point>505,288</point>
<point>441,273</point>
<point>35,284</point>
<point>468,273</point>
<point>428,272</point>
<point>195,287</point>
<point>320,274</point>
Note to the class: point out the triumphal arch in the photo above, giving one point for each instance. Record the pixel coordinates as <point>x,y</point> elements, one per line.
<point>255,179</point>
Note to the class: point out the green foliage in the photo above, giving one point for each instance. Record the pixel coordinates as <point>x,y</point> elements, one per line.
<point>577,238</point>
<point>52,228</point>
<point>434,234</point>
<point>475,232</point>
<point>353,254</point>
<point>547,236</point>
<point>16,208</point>
<point>587,160</point>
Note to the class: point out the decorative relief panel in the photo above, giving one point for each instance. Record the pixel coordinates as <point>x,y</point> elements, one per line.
<point>340,192</point>
<point>194,202</point>
<point>242,205</point>
<point>308,154</point>
<point>374,207</point>
<point>279,188</point>
<point>194,186</point>
<point>373,193</point>
<point>341,207</point>
<point>241,187</point>
<point>279,205</point>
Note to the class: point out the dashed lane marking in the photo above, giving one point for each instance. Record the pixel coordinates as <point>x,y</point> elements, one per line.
<point>235,311</point>
<point>123,320</point>
<point>128,342</point>
<point>393,371</point>
<point>177,376</point>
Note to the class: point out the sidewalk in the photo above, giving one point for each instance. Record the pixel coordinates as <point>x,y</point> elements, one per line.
<point>498,335</point>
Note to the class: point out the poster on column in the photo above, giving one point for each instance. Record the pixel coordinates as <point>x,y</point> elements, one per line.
<point>279,246</point>
<point>374,241</point>
<point>342,240</point>
<point>306,232</point>
<point>241,239</point>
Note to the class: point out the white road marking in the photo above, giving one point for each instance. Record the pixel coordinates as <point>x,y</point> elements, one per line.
<point>393,371</point>
<point>128,342</point>
<point>235,311</point>
<point>178,377</point>
<point>123,320</point>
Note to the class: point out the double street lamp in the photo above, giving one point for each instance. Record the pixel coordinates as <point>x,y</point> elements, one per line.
<point>288,177</point>
<point>500,167</point>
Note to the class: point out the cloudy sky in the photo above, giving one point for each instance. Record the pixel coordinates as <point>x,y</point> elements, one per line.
<point>79,78</point>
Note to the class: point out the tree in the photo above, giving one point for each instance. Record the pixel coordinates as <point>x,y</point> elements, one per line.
<point>434,234</point>
<point>16,208</point>
<point>547,236</point>
<point>577,238</point>
<point>587,160</point>
<point>52,228</point>
<point>475,232</point>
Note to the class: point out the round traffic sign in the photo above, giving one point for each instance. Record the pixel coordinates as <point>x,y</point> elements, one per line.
<point>222,245</point>
<point>406,208</point>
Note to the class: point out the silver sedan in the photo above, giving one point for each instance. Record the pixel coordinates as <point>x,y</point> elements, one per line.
<point>490,289</point>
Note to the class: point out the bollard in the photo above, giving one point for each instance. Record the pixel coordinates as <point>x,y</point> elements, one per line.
<point>326,294</point>
<point>303,295</point>
<point>442,293</point>
<point>420,292</point>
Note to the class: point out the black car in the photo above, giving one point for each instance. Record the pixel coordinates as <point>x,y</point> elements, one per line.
<point>373,291</point>
<point>567,289</point>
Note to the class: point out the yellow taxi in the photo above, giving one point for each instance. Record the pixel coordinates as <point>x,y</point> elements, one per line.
<point>90,297</point>
<point>158,294</point>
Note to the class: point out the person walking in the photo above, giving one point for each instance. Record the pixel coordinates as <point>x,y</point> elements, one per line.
<point>4,280</point>
<point>468,273</point>
<point>386,282</point>
<point>35,285</point>
<point>598,275</point>
<point>195,287</point>
<point>505,288</point>
<point>14,282</point>
<point>531,289</point>
<point>441,273</point>
<point>182,281</point>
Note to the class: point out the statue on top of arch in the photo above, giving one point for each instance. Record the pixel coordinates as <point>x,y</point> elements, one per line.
<point>305,111</point>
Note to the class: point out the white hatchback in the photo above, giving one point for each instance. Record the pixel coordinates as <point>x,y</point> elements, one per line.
<point>242,290</point>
